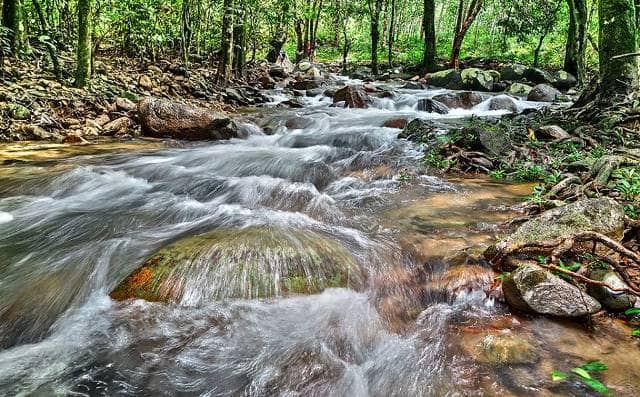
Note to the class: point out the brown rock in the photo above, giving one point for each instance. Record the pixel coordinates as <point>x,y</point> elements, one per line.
<point>395,123</point>
<point>117,125</point>
<point>74,138</point>
<point>102,119</point>
<point>464,100</point>
<point>145,82</point>
<point>161,118</point>
<point>125,105</point>
<point>552,132</point>
<point>353,96</point>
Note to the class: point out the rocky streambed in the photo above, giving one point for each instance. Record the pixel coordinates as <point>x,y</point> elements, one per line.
<point>313,255</point>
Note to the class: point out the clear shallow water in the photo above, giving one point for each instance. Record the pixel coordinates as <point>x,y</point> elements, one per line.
<point>72,228</point>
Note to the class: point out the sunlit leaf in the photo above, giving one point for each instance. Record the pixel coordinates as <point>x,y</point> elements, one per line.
<point>633,311</point>
<point>597,386</point>
<point>595,365</point>
<point>581,373</point>
<point>558,376</point>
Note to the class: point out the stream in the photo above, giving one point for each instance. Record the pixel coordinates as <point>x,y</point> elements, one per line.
<point>423,319</point>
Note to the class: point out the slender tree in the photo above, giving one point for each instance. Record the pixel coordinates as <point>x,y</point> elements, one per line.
<point>239,40</point>
<point>429,28</point>
<point>225,67</point>
<point>375,8</point>
<point>83,69</point>
<point>13,19</point>
<point>618,47</point>
<point>463,24</point>
<point>392,31</point>
<point>576,38</point>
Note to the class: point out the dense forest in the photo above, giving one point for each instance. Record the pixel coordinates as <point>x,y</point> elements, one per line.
<point>557,34</point>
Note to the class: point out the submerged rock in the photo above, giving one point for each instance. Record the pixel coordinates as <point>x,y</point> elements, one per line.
<point>505,350</point>
<point>256,262</point>
<point>543,93</point>
<point>533,289</point>
<point>614,301</point>
<point>431,106</point>
<point>161,118</point>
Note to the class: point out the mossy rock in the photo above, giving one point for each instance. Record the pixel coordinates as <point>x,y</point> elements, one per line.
<point>506,349</point>
<point>256,262</point>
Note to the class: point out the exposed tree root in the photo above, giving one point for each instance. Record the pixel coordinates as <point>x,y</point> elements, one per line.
<point>627,260</point>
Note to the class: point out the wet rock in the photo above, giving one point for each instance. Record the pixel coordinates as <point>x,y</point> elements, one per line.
<point>533,289</point>
<point>614,301</point>
<point>431,106</point>
<point>513,72</point>
<point>417,130</point>
<point>413,85</point>
<point>37,133</point>
<point>450,79</point>
<point>306,84</point>
<point>395,123</point>
<point>256,262</point>
<point>601,215</point>
<point>353,96</point>
<point>74,138</point>
<point>314,92</point>
<point>299,93</point>
<point>125,105</point>
<point>493,142</point>
<point>543,93</point>
<point>238,96</point>
<point>330,92</point>
<point>19,112</point>
<point>477,79</point>
<point>267,82</point>
<point>500,86</point>
<point>294,103</point>
<point>160,118</point>
<point>563,80</point>
<point>503,102</point>
<point>118,125</point>
<point>145,82</point>
<point>361,73</point>
<point>460,100</point>
<point>278,71</point>
<point>538,76</point>
<point>552,133</point>
<point>519,89</point>
<point>304,66</point>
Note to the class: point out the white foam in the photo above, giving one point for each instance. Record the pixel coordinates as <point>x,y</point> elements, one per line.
<point>5,217</point>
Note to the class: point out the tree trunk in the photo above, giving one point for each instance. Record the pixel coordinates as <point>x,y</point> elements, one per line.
<point>239,41</point>
<point>225,68</point>
<point>463,25</point>
<point>186,31</point>
<point>617,37</point>
<point>13,19</point>
<point>375,7</point>
<point>299,41</point>
<point>576,39</point>
<point>392,18</point>
<point>83,69</point>
<point>536,51</point>
<point>51,48</point>
<point>429,27</point>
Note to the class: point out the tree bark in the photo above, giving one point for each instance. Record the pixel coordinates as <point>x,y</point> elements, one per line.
<point>392,18</point>
<point>299,41</point>
<point>576,39</point>
<point>429,27</point>
<point>239,40</point>
<point>83,67</point>
<point>462,26</point>
<point>375,7</point>
<point>225,68</point>
<point>13,19</point>
<point>617,37</point>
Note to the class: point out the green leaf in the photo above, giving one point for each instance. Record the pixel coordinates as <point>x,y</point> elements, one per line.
<point>635,332</point>
<point>633,311</point>
<point>558,376</point>
<point>595,365</point>
<point>597,386</point>
<point>581,373</point>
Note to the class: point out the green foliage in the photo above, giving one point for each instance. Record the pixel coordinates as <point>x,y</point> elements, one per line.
<point>583,373</point>
<point>627,183</point>
<point>436,160</point>
<point>631,211</point>
<point>498,174</point>
<point>537,195</point>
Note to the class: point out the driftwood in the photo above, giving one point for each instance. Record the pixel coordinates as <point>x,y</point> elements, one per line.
<point>628,260</point>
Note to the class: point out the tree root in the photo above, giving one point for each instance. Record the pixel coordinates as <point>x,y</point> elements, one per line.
<point>628,260</point>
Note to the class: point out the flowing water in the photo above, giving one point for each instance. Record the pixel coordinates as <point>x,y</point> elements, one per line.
<point>334,187</point>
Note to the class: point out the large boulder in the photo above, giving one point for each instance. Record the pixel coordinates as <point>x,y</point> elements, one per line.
<point>478,79</point>
<point>533,289</point>
<point>461,100</point>
<point>450,79</point>
<point>255,262</point>
<point>601,215</point>
<point>538,76</point>
<point>513,72</point>
<point>353,97</point>
<point>362,73</point>
<point>431,106</point>
<point>418,130</point>
<point>543,93</point>
<point>161,118</point>
<point>519,89</point>
<point>563,80</point>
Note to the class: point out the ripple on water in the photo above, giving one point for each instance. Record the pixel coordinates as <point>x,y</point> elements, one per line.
<point>5,217</point>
